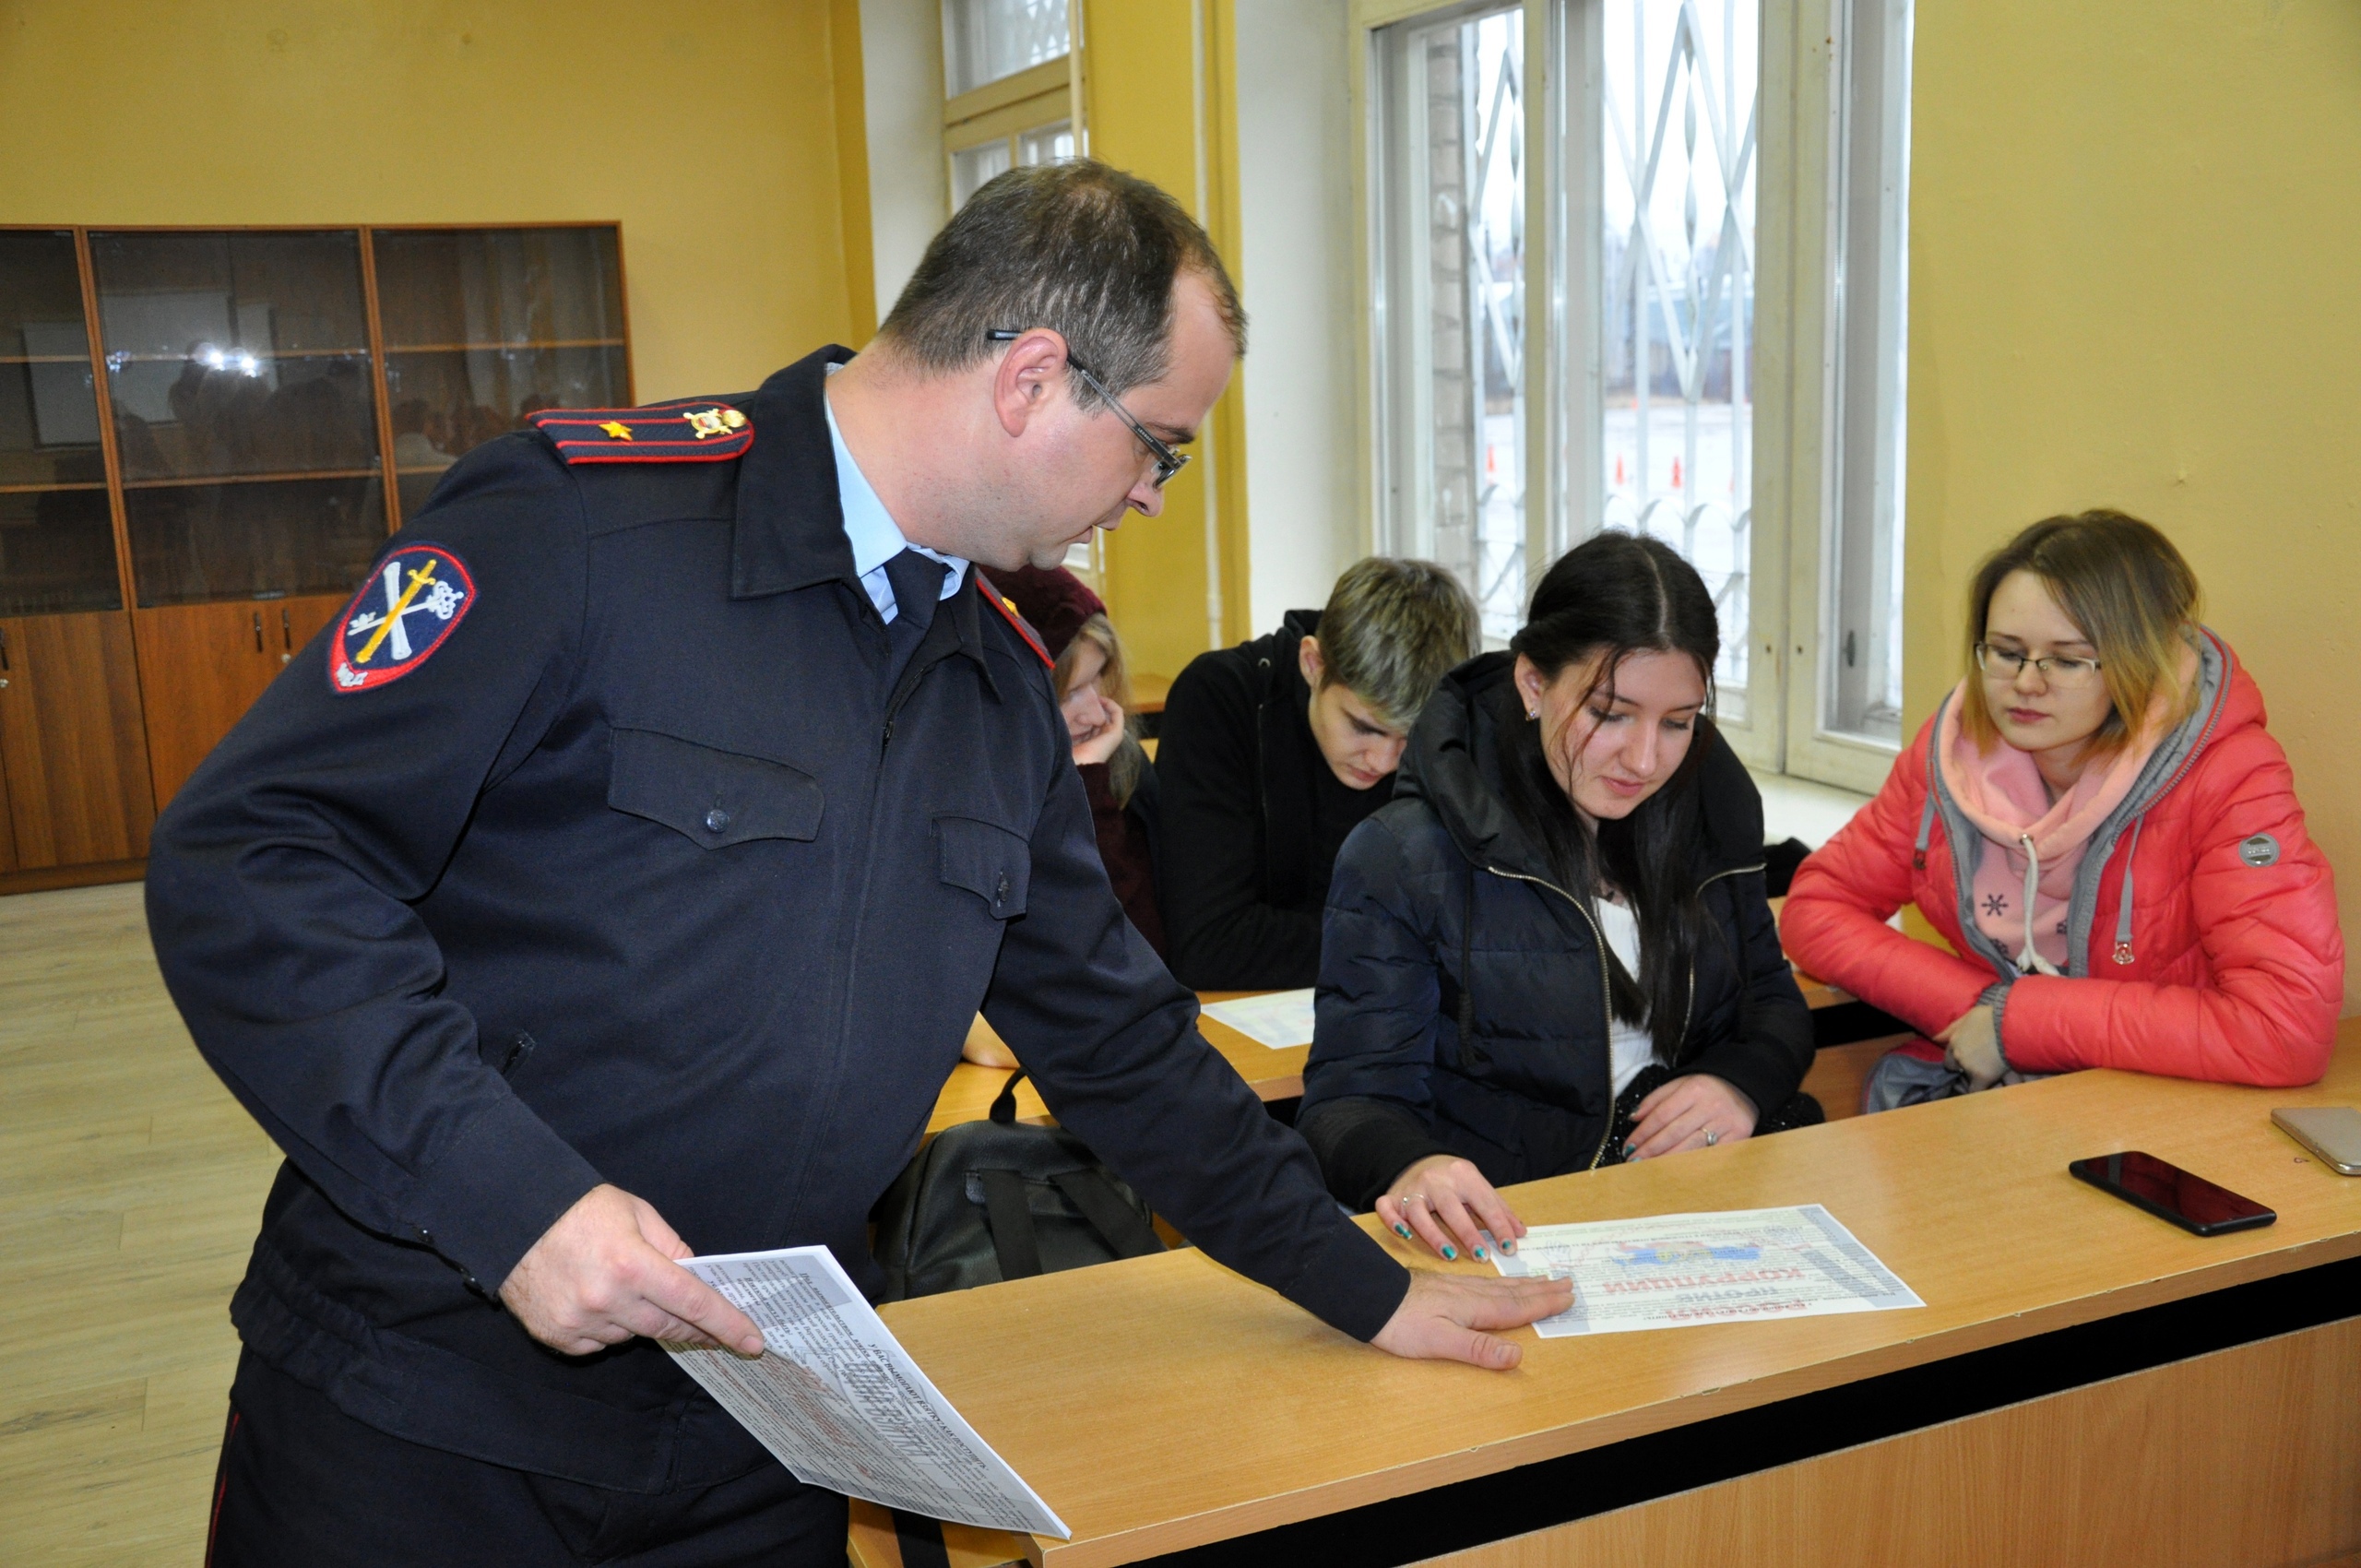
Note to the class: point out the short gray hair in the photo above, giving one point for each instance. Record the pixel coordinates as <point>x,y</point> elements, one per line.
<point>1392,630</point>
<point>1087,251</point>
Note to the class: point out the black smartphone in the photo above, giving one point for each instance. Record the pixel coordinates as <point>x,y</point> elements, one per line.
<point>2167,1191</point>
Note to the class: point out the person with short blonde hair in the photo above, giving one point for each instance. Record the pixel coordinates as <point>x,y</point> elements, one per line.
<point>1273,751</point>
<point>2099,823</point>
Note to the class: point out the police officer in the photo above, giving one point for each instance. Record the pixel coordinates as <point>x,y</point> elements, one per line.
<point>618,875</point>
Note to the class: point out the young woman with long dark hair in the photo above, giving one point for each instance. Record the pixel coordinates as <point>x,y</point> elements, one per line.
<point>1552,950</point>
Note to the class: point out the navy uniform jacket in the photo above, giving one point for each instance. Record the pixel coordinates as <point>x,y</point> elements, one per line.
<point>640,874</point>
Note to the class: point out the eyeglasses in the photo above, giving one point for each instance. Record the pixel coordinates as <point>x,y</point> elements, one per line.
<point>1168,461</point>
<point>2007,664</point>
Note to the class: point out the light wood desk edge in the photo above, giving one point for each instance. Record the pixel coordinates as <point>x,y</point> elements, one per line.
<point>2198,1272</point>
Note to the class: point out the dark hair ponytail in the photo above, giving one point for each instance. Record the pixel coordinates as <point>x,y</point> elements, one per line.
<point>1617,594</point>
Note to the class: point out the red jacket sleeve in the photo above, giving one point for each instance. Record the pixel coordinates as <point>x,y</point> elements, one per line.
<point>1833,923</point>
<point>2267,1015</point>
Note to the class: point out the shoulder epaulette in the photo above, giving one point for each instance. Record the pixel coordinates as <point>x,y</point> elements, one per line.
<point>1007,608</point>
<point>694,429</point>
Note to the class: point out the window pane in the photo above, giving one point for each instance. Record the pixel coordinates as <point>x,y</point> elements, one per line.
<point>57,554</point>
<point>266,540</point>
<point>451,288</point>
<point>1861,637</point>
<point>1044,144</point>
<point>973,168</point>
<point>1451,288</point>
<point>445,402</point>
<point>236,353</point>
<point>49,413</point>
<point>1676,361</point>
<point>986,40</point>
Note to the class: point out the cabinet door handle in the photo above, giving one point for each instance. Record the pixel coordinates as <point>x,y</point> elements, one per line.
<point>257,631</point>
<point>287,635</point>
<point>4,648</point>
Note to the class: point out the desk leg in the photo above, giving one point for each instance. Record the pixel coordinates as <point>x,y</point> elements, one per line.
<point>2249,1455</point>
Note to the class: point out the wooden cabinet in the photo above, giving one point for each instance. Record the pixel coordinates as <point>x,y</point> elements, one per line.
<point>204,437</point>
<point>483,326</point>
<point>72,743</point>
<point>201,666</point>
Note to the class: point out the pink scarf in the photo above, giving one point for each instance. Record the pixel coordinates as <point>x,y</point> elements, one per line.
<point>2033,846</point>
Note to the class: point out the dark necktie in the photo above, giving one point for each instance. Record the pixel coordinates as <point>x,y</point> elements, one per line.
<point>918,585</point>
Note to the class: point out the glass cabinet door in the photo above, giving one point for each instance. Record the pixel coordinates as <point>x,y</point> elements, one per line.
<point>245,419</point>
<point>484,326</point>
<point>56,533</point>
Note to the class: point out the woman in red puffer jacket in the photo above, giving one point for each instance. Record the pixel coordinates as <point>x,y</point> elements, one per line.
<point>2118,893</point>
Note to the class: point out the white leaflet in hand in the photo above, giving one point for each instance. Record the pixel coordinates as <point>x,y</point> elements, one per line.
<point>1680,1270</point>
<point>839,1402</point>
<point>1279,1020</point>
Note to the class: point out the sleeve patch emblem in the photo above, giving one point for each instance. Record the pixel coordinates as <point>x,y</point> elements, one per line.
<point>2260,850</point>
<point>408,607</point>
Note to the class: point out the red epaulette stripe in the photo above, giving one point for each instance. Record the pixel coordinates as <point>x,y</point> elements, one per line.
<point>590,415</point>
<point>1008,614</point>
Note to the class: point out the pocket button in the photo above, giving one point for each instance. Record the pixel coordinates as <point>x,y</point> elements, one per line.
<point>1000,894</point>
<point>716,820</point>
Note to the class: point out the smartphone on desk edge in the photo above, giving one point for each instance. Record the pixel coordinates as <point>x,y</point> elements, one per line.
<point>2167,1191</point>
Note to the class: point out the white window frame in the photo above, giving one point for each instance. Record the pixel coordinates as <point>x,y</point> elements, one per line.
<point>1800,418</point>
<point>1402,481</point>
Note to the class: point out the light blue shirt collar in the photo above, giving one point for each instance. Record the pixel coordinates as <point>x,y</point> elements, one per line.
<point>870,529</point>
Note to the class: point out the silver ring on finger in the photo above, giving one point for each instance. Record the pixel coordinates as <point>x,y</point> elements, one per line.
<point>1713,1136</point>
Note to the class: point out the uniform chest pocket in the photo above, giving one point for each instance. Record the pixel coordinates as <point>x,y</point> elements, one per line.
<point>987,860</point>
<point>711,797</point>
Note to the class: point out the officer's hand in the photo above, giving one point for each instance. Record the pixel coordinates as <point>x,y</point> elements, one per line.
<point>605,1272</point>
<point>1443,1317</point>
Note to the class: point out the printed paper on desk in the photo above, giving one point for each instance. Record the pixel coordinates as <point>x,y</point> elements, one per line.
<point>839,1402</point>
<point>1680,1270</point>
<point>1278,1019</point>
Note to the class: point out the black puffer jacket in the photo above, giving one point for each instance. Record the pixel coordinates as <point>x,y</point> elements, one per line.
<point>1389,1081</point>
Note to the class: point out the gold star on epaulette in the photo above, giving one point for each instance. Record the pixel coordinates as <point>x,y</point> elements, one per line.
<point>617,428</point>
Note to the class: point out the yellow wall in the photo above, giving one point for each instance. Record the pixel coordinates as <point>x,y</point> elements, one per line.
<point>710,131</point>
<point>2133,283</point>
<point>1139,93</point>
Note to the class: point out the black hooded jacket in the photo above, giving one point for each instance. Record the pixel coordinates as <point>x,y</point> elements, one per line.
<point>1252,816</point>
<point>1443,906</point>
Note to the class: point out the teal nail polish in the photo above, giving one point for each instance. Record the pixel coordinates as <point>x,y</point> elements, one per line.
<point>1508,1248</point>
<point>1479,1254</point>
<point>1450,1254</point>
<point>1403,1232</point>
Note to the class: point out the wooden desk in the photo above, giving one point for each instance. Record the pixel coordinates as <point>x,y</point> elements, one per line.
<point>1162,1403</point>
<point>968,1094</point>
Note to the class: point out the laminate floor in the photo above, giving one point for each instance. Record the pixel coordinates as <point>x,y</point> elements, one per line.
<point>130,1187</point>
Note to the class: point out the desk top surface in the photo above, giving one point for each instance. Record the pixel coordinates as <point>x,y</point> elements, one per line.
<point>968,1093</point>
<point>1163,1402</point>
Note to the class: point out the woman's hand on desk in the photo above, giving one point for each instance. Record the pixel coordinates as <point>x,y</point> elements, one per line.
<point>1445,1202</point>
<point>1695,1111</point>
<point>1443,1317</point>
